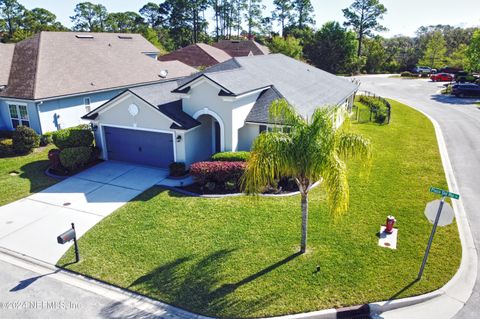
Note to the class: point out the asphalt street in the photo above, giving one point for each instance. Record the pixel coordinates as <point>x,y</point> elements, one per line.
<point>459,120</point>
<point>26,294</point>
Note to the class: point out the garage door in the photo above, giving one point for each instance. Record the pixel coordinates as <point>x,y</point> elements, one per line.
<point>140,147</point>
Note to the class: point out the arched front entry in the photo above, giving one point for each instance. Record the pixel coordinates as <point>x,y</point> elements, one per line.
<point>217,127</point>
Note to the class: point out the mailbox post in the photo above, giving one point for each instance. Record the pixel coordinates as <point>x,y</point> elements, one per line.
<point>67,236</point>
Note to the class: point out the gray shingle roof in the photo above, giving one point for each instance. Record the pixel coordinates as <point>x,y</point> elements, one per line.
<point>6,55</point>
<point>260,110</point>
<point>54,64</point>
<point>302,85</point>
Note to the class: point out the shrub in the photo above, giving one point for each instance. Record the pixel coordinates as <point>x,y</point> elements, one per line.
<point>6,134</point>
<point>46,139</point>
<point>24,140</point>
<point>406,74</point>
<point>73,158</point>
<point>73,137</point>
<point>6,147</point>
<point>54,158</point>
<point>217,172</point>
<point>377,105</point>
<point>231,156</point>
<point>177,169</point>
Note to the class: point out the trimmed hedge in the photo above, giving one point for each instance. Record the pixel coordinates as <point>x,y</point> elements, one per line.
<point>73,158</point>
<point>46,139</point>
<point>24,140</point>
<point>217,172</point>
<point>377,105</point>
<point>73,137</point>
<point>231,156</point>
<point>407,74</point>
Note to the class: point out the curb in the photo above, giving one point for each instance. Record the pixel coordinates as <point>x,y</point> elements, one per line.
<point>460,287</point>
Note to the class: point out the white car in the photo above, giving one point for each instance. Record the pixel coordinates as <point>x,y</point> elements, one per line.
<point>422,70</point>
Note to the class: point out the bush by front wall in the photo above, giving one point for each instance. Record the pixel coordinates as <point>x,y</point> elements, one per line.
<point>73,158</point>
<point>24,140</point>
<point>218,172</point>
<point>72,137</point>
<point>231,156</point>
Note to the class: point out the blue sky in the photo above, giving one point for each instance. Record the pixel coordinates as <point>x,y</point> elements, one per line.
<point>403,17</point>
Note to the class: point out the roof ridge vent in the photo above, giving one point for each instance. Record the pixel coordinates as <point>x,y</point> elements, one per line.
<point>125,37</point>
<point>84,36</point>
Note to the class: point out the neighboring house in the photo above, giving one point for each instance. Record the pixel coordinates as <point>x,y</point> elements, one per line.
<point>223,108</point>
<point>49,81</point>
<point>239,48</point>
<point>197,55</point>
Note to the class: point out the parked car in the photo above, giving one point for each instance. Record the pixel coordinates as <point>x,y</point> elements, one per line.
<point>464,76</point>
<point>422,70</point>
<point>442,77</point>
<point>463,90</point>
<point>449,70</point>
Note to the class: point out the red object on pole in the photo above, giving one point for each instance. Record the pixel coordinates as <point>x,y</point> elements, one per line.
<point>389,225</point>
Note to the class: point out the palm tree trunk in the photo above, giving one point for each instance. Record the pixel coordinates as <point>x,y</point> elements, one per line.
<point>303,243</point>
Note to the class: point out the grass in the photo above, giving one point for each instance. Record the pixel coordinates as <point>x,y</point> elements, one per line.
<point>237,257</point>
<point>23,175</point>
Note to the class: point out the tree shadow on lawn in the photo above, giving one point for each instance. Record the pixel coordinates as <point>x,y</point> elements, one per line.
<point>35,173</point>
<point>201,288</point>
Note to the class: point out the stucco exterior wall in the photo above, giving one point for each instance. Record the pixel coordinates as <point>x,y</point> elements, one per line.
<point>67,112</point>
<point>198,142</point>
<point>233,112</point>
<point>246,136</point>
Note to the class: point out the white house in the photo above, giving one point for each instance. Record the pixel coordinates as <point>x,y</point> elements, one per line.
<point>221,109</point>
<point>49,81</point>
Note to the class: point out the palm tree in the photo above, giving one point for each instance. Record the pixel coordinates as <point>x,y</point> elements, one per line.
<point>312,150</point>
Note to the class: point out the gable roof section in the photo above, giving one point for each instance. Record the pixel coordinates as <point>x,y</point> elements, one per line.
<point>260,110</point>
<point>302,85</point>
<point>54,64</point>
<point>6,55</point>
<point>197,55</point>
<point>240,48</point>
<point>159,97</point>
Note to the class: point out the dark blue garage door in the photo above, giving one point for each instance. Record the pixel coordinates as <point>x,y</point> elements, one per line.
<point>140,147</point>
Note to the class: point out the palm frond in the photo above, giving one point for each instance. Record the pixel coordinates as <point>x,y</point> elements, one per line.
<point>336,185</point>
<point>270,158</point>
<point>281,112</point>
<point>351,145</point>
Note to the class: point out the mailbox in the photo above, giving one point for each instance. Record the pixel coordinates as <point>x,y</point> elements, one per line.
<point>66,236</point>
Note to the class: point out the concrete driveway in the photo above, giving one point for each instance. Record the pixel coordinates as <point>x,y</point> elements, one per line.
<point>30,226</point>
<point>459,120</point>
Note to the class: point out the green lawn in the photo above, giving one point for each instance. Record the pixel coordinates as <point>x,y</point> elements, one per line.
<point>29,177</point>
<point>236,257</point>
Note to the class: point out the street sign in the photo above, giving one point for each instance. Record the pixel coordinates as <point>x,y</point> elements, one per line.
<point>444,193</point>
<point>446,217</point>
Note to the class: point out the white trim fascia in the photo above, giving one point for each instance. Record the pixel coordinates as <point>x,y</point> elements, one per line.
<point>140,129</point>
<point>16,102</point>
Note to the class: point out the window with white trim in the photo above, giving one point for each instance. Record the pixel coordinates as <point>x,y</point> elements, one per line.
<point>86,102</point>
<point>19,115</point>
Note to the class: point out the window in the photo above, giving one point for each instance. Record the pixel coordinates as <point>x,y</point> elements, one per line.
<point>19,115</point>
<point>86,101</point>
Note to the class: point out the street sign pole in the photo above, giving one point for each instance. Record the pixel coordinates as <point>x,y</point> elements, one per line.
<point>432,234</point>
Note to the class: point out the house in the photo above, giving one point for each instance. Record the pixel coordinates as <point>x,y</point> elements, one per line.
<point>239,48</point>
<point>50,80</point>
<point>197,55</point>
<point>223,108</point>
